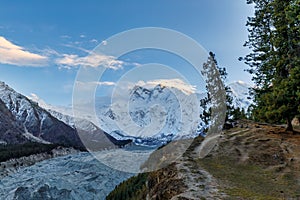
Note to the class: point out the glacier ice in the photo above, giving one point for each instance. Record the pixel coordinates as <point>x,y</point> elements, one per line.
<point>78,176</point>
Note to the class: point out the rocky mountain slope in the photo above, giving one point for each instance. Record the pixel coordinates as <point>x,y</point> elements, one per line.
<point>65,114</point>
<point>11,131</point>
<point>93,137</point>
<point>37,124</point>
<point>23,120</point>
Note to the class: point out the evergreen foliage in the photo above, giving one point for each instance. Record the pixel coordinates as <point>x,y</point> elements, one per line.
<point>212,85</point>
<point>274,34</point>
<point>19,150</point>
<point>134,188</point>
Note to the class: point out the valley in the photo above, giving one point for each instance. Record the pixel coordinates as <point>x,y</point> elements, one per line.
<point>49,160</point>
<point>150,100</point>
<point>73,176</point>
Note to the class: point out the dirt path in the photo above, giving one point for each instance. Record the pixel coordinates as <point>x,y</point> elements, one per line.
<point>278,154</point>
<point>200,183</point>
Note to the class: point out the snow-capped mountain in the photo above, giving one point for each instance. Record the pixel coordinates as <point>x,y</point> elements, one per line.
<point>36,124</point>
<point>93,137</point>
<point>157,106</point>
<point>151,115</point>
<point>22,120</point>
<point>65,115</point>
<point>240,94</point>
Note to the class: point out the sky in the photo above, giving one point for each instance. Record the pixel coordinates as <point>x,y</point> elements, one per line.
<point>44,43</point>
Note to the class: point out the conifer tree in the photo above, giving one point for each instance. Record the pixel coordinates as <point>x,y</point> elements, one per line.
<point>274,60</point>
<point>212,71</point>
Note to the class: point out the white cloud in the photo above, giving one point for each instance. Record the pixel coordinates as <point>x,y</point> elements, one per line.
<point>170,83</point>
<point>94,41</point>
<point>92,60</point>
<point>105,83</point>
<point>65,36</point>
<point>88,87</point>
<point>94,83</point>
<point>82,36</point>
<point>17,55</point>
<point>49,52</point>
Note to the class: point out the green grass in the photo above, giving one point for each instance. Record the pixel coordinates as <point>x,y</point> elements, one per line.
<point>250,181</point>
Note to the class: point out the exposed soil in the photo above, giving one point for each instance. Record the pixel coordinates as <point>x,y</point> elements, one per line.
<point>250,161</point>
<point>256,161</point>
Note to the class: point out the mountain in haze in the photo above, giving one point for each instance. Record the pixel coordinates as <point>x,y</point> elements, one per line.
<point>65,114</point>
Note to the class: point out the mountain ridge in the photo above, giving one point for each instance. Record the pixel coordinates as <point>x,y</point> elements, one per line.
<point>28,122</point>
<point>142,101</point>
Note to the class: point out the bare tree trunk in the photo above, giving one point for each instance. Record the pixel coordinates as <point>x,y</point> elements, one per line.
<point>289,125</point>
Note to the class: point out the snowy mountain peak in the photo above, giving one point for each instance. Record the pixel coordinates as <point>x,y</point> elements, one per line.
<point>38,100</point>
<point>65,115</point>
<point>154,115</point>
<point>37,123</point>
<point>240,94</point>
<point>5,87</point>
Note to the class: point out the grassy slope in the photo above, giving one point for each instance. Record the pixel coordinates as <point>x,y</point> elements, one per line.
<point>256,163</point>
<point>251,162</point>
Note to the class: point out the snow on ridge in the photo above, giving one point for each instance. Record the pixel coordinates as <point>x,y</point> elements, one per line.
<point>141,98</point>
<point>156,114</point>
<point>33,138</point>
<point>240,94</point>
<point>65,115</point>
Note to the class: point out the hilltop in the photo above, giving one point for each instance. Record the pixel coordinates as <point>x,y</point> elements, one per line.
<point>251,161</point>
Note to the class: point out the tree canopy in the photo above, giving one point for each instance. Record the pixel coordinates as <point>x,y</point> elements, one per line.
<point>274,33</point>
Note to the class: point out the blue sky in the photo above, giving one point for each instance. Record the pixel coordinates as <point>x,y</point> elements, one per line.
<point>43,42</point>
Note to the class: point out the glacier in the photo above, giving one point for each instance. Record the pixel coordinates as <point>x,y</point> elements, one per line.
<point>73,177</point>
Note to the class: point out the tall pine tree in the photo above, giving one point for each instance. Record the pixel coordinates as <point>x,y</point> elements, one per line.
<point>274,60</point>
<point>215,75</point>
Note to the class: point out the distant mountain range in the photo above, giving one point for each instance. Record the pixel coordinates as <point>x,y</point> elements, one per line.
<point>143,111</point>
<point>240,94</point>
<point>24,119</point>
